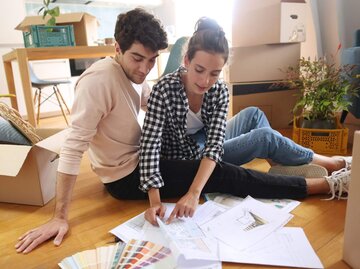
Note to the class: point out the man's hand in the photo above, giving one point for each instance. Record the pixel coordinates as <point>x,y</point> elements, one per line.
<point>31,239</point>
<point>185,207</point>
<point>152,212</point>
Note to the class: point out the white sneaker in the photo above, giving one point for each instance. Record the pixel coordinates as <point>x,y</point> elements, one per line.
<point>339,182</point>
<point>305,170</point>
<point>347,160</point>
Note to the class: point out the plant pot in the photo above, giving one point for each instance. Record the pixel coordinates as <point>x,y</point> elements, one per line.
<point>323,141</point>
<point>318,124</point>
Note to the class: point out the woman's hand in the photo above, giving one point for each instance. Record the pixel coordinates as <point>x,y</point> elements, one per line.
<point>185,207</point>
<point>154,211</point>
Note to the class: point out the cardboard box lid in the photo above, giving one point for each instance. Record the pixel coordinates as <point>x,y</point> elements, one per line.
<point>61,19</point>
<point>12,157</point>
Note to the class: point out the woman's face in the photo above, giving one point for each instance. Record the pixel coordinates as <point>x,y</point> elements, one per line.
<point>202,71</point>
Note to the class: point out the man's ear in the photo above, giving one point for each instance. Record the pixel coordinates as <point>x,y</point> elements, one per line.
<point>117,47</point>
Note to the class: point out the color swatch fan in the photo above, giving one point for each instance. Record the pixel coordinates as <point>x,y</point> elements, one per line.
<point>131,255</point>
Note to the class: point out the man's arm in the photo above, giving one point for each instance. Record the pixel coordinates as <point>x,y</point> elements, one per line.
<point>58,225</point>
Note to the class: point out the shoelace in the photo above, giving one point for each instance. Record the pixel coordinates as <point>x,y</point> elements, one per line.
<point>338,182</point>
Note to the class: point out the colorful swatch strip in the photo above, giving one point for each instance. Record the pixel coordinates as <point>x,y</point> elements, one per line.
<point>132,255</point>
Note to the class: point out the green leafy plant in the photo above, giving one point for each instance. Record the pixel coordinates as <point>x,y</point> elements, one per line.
<point>325,88</point>
<point>52,12</point>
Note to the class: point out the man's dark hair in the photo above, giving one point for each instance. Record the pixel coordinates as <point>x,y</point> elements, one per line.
<point>139,25</point>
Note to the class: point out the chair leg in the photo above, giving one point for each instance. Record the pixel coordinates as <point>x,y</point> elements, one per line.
<point>38,106</point>
<point>62,99</point>
<point>56,91</point>
<point>35,96</point>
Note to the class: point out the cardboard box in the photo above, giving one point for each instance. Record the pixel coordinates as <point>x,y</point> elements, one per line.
<point>261,62</point>
<point>85,26</point>
<point>352,220</point>
<point>28,173</point>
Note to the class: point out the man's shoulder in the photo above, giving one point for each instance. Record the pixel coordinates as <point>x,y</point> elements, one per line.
<point>102,67</point>
<point>105,71</point>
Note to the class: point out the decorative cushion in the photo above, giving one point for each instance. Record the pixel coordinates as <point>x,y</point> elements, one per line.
<point>10,135</point>
<point>12,116</point>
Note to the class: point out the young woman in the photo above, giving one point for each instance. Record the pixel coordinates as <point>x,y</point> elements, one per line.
<point>186,120</point>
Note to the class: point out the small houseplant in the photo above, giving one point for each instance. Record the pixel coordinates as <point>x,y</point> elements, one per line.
<point>324,88</point>
<point>52,12</point>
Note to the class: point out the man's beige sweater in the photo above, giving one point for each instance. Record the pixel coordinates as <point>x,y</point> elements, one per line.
<point>104,120</point>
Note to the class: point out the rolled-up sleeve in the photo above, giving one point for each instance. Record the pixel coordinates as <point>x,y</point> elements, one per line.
<point>217,124</point>
<point>150,144</point>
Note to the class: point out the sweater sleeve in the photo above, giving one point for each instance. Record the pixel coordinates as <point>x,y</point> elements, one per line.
<point>90,106</point>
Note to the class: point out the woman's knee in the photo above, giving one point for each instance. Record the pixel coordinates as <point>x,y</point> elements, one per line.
<point>266,134</point>
<point>251,110</point>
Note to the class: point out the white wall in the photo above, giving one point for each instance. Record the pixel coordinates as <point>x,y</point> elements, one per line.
<point>11,13</point>
<point>312,46</point>
<point>337,22</point>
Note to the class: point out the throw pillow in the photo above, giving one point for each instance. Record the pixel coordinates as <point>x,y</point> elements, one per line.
<point>10,135</point>
<point>15,119</point>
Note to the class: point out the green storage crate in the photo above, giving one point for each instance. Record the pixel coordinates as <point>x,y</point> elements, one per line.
<point>49,36</point>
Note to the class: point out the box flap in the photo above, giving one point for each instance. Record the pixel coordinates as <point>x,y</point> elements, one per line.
<point>61,19</point>
<point>46,132</point>
<point>12,158</point>
<point>54,142</point>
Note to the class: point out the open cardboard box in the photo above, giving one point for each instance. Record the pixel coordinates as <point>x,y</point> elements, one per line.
<point>85,26</point>
<point>28,173</point>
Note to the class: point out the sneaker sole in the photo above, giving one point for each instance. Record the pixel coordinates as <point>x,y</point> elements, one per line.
<point>305,170</point>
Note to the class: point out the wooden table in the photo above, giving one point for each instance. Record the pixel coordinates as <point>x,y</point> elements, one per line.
<point>24,55</point>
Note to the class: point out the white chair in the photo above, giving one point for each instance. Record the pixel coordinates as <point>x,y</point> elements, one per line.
<point>40,84</point>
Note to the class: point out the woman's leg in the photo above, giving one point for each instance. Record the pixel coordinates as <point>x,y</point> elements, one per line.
<point>178,175</point>
<point>246,120</point>
<point>249,136</point>
<point>332,164</point>
<point>265,143</point>
<point>228,178</point>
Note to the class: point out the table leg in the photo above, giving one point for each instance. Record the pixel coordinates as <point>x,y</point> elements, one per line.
<point>26,84</point>
<point>10,83</point>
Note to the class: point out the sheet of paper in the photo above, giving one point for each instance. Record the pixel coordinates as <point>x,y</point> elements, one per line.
<point>188,240</point>
<point>131,229</point>
<point>246,224</point>
<point>285,247</point>
<point>228,200</point>
<point>208,211</point>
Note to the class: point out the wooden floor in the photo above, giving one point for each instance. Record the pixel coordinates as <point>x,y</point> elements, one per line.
<point>94,212</point>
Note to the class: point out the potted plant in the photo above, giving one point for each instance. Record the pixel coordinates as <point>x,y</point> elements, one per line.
<point>52,12</point>
<point>324,88</point>
<point>50,34</point>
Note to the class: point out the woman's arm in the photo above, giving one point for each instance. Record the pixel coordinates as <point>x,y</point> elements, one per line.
<point>156,207</point>
<point>217,106</point>
<point>186,206</point>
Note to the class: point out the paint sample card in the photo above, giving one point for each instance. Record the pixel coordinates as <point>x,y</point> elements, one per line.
<point>132,255</point>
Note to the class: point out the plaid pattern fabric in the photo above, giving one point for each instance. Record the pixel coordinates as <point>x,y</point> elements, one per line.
<point>164,130</point>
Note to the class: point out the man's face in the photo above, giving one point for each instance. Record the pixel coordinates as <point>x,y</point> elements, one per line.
<point>137,62</point>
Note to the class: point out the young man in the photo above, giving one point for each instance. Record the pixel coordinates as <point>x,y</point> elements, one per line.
<point>104,121</point>
<point>108,98</point>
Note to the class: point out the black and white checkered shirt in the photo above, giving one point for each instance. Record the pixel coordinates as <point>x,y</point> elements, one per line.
<point>164,131</point>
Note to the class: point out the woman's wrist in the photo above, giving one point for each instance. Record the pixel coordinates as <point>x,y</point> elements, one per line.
<point>154,197</point>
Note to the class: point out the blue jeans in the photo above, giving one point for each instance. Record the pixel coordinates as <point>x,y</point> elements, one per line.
<point>249,135</point>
